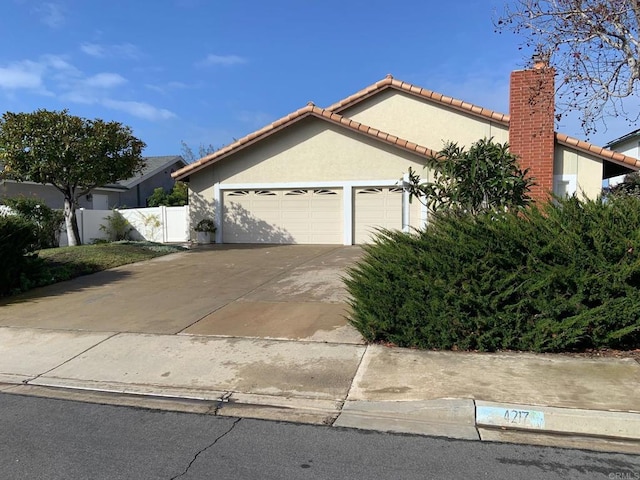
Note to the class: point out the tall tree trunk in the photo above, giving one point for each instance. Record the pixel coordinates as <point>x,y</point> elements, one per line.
<point>71,221</point>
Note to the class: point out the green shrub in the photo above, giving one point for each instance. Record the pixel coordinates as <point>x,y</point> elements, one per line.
<point>18,240</point>
<point>47,220</point>
<point>562,277</point>
<point>117,228</point>
<point>177,197</point>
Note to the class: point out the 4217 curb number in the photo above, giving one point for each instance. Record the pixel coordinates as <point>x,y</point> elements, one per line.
<point>510,417</point>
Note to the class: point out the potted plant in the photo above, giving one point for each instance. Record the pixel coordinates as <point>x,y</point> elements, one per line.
<point>205,228</point>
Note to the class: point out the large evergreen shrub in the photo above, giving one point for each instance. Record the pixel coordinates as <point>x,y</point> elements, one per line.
<point>48,221</point>
<point>18,239</point>
<point>562,277</point>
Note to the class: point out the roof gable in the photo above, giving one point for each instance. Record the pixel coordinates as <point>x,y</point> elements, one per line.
<point>333,115</point>
<point>601,152</point>
<point>153,165</point>
<point>309,111</point>
<point>391,83</point>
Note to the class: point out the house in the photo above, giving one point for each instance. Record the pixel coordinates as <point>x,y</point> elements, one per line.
<point>132,192</point>
<point>333,175</point>
<point>628,144</point>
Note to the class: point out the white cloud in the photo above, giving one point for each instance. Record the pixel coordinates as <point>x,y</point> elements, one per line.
<point>93,49</point>
<point>121,50</point>
<point>58,62</point>
<point>74,86</point>
<point>51,14</point>
<point>104,80</point>
<point>138,109</point>
<point>223,60</point>
<point>165,88</point>
<point>22,75</point>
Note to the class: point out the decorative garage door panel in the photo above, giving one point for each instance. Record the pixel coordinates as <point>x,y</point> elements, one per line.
<point>376,208</point>
<point>283,216</point>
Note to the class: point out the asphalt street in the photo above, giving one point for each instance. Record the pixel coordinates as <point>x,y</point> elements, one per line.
<point>58,439</point>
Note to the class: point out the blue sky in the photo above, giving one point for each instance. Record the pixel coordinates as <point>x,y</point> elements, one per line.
<point>209,72</point>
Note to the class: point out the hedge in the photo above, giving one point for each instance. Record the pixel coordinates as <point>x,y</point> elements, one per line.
<point>561,277</point>
<point>18,240</point>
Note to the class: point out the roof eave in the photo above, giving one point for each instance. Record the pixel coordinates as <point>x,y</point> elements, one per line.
<point>600,152</point>
<point>423,93</point>
<point>309,110</point>
<point>153,172</point>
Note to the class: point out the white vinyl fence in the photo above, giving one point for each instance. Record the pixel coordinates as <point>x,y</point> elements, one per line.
<point>156,224</point>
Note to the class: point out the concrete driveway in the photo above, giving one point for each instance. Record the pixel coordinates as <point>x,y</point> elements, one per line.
<point>289,291</point>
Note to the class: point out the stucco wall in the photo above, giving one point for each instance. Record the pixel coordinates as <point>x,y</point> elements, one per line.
<point>52,197</point>
<point>586,168</point>
<point>201,199</point>
<point>423,122</point>
<point>314,150</point>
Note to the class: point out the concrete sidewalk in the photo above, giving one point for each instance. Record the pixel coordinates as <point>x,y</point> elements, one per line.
<point>527,398</point>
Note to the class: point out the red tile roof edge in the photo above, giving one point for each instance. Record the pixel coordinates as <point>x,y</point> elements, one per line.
<point>390,82</point>
<point>601,152</point>
<point>309,110</point>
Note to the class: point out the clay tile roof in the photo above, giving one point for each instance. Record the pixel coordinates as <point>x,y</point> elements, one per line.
<point>601,152</point>
<point>390,82</point>
<point>309,110</point>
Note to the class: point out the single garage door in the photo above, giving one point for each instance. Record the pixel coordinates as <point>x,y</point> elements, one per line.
<point>283,216</point>
<point>376,208</point>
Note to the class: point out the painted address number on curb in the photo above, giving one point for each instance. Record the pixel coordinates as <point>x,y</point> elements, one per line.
<point>510,417</point>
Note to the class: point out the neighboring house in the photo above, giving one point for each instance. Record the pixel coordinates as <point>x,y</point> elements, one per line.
<point>628,144</point>
<point>131,193</point>
<point>334,175</point>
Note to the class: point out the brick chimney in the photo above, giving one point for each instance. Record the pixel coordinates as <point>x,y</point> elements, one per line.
<point>531,125</point>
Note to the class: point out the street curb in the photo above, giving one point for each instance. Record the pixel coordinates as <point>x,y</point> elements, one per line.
<point>463,419</point>
<point>554,420</point>
<point>445,418</point>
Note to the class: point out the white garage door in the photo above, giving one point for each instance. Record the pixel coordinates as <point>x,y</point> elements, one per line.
<point>283,216</point>
<point>376,208</point>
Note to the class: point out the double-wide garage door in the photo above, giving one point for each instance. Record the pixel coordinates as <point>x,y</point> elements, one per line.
<point>308,215</point>
<point>283,216</point>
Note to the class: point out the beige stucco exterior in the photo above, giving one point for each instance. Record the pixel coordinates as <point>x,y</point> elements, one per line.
<point>586,169</point>
<point>46,193</point>
<point>324,150</point>
<point>423,122</point>
<point>314,150</point>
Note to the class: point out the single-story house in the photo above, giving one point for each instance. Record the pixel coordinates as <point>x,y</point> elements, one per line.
<point>332,175</point>
<point>628,144</point>
<point>132,192</point>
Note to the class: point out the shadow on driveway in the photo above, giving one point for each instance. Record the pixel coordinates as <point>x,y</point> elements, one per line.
<point>273,291</point>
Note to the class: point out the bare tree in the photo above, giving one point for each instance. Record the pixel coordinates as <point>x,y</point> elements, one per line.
<point>203,150</point>
<point>594,46</point>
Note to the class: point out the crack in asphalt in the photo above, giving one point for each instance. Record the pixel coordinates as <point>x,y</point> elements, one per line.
<point>195,457</point>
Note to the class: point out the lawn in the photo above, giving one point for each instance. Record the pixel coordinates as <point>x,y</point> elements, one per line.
<point>58,264</point>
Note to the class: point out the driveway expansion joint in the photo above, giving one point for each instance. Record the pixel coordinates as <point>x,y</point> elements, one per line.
<point>29,380</point>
